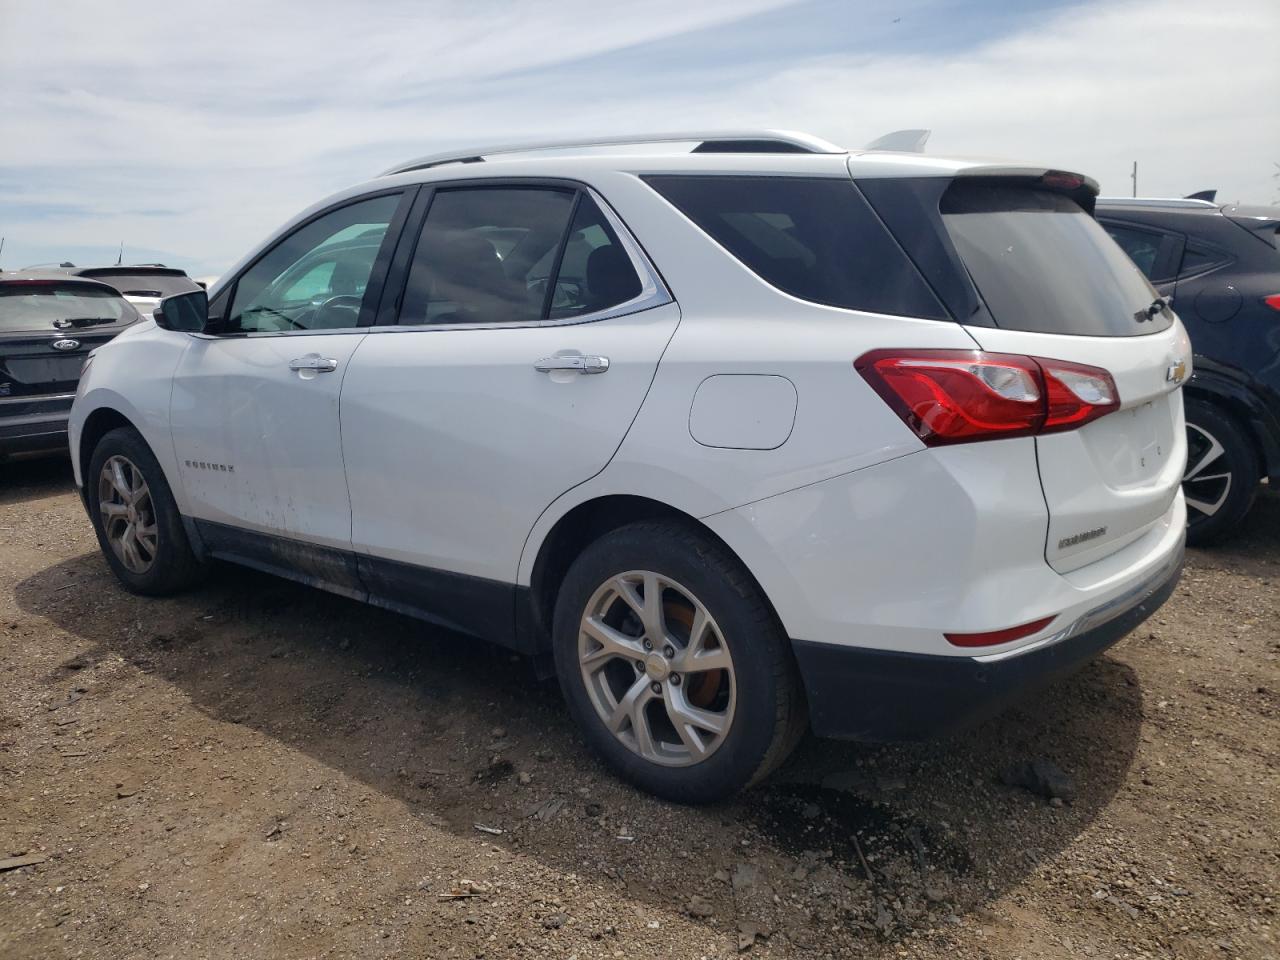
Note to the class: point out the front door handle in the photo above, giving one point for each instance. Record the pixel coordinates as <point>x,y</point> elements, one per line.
<point>575,362</point>
<point>315,364</point>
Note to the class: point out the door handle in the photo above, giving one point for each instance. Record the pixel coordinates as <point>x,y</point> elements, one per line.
<point>316,364</point>
<point>575,362</point>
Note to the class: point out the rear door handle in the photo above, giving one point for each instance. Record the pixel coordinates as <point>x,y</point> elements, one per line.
<point>318,364</point>
<point>575,362</point>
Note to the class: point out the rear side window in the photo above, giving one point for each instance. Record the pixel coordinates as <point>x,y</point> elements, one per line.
<point>1199,259</point>
<point>816,239</point>
<point>49,306</point>
<point>1044,265</point>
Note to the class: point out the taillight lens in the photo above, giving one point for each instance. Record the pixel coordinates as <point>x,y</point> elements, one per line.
<point>959,396</point>
<point>1272,301</point>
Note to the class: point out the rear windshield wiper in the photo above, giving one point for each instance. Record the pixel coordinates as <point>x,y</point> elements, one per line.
<point>65,322</point>
<point>1157,305</point>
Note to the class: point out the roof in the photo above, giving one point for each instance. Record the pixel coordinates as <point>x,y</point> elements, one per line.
<point>72,269</point>
<point>774,152</point>
<point>1158,203</point>
<point>45,276</point>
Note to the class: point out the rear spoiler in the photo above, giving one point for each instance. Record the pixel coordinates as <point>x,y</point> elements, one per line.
<point>18,280</point>
<point>1083,190</point>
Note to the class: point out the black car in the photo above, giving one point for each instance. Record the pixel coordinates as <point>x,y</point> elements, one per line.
<point>1221,266</point>
<point>48,325</point>
<point>143,284</point>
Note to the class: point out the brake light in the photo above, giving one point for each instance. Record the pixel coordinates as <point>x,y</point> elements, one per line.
<point>960,396</point>
<point>1272,301</point>
<point>993,637</point>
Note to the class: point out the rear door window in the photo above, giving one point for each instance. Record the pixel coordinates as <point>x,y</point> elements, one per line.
<point>816,239</point>
<point>489,254</point>
<point>1153,251</point>
<point>1044,265</point>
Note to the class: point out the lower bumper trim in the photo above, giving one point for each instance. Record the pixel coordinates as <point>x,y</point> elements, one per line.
<point>857,693</point>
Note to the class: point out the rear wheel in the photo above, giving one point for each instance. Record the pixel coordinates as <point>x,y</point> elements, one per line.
<point>674,665</point>
<point>1222,473</point>
<point>137,521</point>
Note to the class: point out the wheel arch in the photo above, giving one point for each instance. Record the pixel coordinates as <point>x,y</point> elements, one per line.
<point>582,525</point>
<point>1247,409</point>
<point>96,426</point>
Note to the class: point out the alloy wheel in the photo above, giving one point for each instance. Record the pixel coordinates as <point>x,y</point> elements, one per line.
<point>128,515</point>
<point>657,668</point>
<point>1206,484</point>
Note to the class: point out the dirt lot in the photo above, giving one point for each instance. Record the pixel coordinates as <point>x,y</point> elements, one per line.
<point>259,770</point>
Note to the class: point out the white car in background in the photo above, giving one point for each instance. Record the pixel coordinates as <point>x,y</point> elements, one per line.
<point>745,434</point>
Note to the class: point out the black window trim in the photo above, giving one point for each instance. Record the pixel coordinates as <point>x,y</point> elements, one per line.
<point>653,289</point>
<point>377,276</point>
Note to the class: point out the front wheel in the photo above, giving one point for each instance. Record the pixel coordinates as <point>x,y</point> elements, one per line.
<point>1222,473</point>
<point>137,521</point>
<point>674,665</point>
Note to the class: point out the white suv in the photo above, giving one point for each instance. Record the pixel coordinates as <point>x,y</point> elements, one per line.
<point>742,432</point>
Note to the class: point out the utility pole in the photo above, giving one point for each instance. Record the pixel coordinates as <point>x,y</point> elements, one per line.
<point>120,255</point>
<point>1134,177</point>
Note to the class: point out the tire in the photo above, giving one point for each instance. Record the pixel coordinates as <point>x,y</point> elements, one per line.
<point>736,674</point>
<point>156,565</point>
<point>1222,473</point>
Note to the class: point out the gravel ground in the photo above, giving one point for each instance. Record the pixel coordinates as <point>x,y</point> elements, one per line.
<point>256,769</point>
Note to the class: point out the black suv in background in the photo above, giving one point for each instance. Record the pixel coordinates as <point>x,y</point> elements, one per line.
<point>48,325</point>
<point>1221,266</point>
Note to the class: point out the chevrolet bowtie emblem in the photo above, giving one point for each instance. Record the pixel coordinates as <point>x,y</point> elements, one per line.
<point>1176,373</point>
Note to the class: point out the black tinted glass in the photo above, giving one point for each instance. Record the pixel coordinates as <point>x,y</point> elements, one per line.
<point>595,271</point>
<point>54,306</point>
<point>815,239</point>
<point>1197,259</point>
<point>486,255</point>
<point>1044,265</point>
<point>1142,246</point>
<point>146,284</point>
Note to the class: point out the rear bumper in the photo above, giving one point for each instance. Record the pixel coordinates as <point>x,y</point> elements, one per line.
<point>31,426</point>
<point>879,695</point>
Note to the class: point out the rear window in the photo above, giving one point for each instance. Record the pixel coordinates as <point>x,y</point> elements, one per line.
<point>1044,265</point>
<point>146,284</point>
<point>54,306</point>
<point>816,239</point>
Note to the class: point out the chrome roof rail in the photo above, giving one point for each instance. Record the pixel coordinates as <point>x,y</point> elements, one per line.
<point>1174,202</point>
<point>723,141</point>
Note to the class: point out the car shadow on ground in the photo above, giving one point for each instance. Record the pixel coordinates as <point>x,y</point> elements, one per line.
<point>33,478</point>
<point>886,838</point>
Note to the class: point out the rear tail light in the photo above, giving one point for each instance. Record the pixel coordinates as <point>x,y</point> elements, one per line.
<point>959,396</point>
<point>992,637</point>
<point>1272,301</point>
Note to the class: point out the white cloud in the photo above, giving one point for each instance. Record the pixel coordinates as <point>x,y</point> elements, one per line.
<point>197,129</point>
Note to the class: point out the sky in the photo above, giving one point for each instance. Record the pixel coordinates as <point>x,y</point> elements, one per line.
<point>189,131</point>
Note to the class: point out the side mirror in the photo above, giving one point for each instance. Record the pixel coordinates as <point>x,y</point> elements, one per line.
<point>186,312</point>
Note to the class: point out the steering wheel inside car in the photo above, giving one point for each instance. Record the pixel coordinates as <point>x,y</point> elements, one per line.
<point>340,311</point>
